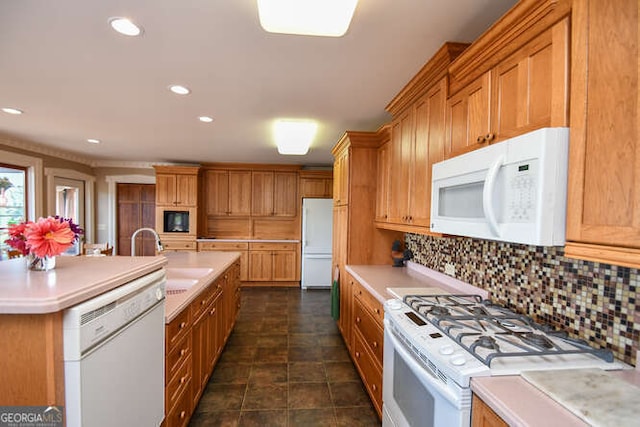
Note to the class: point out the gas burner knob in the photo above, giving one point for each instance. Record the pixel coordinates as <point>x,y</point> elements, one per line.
<point>458,360</point>
<point>446,350</point>
<point>394,304</point>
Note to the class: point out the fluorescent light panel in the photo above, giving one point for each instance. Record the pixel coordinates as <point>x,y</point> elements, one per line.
<point>293,137</point>
<point>329,18</point>
<point>125,26</point>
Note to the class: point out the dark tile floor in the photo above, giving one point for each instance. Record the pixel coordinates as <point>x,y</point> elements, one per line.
<point>285,364</point>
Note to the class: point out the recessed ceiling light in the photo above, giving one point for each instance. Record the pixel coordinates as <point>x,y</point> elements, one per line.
<point>293,137</point>
<point>180,90</point>
<point>125,26</point>
<point>307,17</point>
<point>205,119</point>
<point>93,141</point>
<point>10,110</point>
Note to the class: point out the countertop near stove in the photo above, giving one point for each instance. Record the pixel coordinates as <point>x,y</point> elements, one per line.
<point>378,278</point>
<point>521,403</point>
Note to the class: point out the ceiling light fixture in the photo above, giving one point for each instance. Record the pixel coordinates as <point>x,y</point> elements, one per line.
<point>330,18</point>
<point>293,137</point>
<point>125,26</point>
<point>205,119</point>
<point>180,90</point>
<point>93,141</point>
<point>14,111</point>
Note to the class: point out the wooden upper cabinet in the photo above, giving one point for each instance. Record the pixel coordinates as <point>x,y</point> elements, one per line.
<point>400,167</point>
<point>382,188</point>
<point>526,86</point>
<point>316,183</point>
<point>176,186</point>
<point>228,192</point>
<point>603,212</point>
<point>341,178</point>
<point>274,193</point>
<point>468,117</point>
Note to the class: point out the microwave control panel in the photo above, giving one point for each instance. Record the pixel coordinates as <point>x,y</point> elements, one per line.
<point>521,185</point>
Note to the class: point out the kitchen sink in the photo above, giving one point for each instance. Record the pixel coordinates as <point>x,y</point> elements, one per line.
<point>187,272</point>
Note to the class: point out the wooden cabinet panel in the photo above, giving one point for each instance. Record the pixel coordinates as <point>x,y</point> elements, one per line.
<point>370,372</point>
<point>369,328</point>
<point>260,266</point>
<point>382,189</point>
<point>345,322</point>
<point>317,184</point>
<point>179,245</point>
<point>468,118</point>
<point>165,189</point>
<point>285,194</point>
<point>216,184</point>
<point>401,162</point>
<point>284,266</point>
<point>603,211</point>
<point>273,262</point>
<point>239,193</point>
<point>262,193</point>
<point>341,178</point>
<point>176,186</point>
<point>483,416</point>
<point>186,190</point>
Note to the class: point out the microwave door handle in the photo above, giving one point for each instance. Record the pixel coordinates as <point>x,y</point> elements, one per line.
<point>487,193</point>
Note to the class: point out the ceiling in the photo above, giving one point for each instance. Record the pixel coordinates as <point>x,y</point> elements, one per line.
<point>75,78</point>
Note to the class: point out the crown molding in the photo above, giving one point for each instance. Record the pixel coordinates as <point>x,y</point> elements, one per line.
<point>99,163</point>
<point>38,148</point>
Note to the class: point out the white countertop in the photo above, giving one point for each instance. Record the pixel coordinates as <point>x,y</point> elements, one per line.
<point>74,279</point>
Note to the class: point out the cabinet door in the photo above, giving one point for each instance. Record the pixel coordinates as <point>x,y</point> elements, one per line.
<point>285,194</point>
<point>341,178</point>
<point>216,183</point>
<point>262,193</point>
<point>239,193</point>
<point>284,266</point>
<point>483,416</point>
<point>468,118</point>
<point>382,189</point>
<point>200,332</point>
<point>428,148</point>
<point>530,88</point>
<point>400,173</point>
<point>186,190</point>
<point>260,266</point>
<point>165,189</point>
<point>603,212</point>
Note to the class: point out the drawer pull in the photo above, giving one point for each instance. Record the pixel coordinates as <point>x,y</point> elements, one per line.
<point>375,344</point>
<point>358,354</point>
<point>183,414</point>
<point>212,312</point>
<point>358,319</point>
<point>183,352</point>
<point>202,302</point>
<point>183,379</point>
<point>182,325</point>
<point>377,311</point>
<point>374,387</point>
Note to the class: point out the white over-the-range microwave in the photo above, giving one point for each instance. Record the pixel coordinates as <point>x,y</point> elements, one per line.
<point>512,191</point>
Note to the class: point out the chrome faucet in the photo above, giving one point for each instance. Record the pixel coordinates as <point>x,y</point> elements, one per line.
<point>159,247</point>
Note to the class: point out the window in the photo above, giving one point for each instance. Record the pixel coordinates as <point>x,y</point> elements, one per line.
<point>70,204</point>
<point>13,201</point>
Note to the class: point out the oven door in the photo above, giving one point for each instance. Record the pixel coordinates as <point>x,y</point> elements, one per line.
<point>414,396</point>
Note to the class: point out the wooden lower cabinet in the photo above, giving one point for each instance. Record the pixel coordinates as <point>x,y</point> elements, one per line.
<point>179,245</point>
<point>194,342</point>
<point>273,262</point>
<point>483,416</point>
<point>367,341</point>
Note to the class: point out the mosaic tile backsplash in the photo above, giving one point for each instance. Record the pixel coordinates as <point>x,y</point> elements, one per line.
<point>592,301</point>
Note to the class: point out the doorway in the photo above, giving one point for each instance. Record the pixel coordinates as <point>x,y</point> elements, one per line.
<point>69,194</point>
<point>136,208</point>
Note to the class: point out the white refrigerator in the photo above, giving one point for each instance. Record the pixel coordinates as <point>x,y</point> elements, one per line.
<point>317,229</point>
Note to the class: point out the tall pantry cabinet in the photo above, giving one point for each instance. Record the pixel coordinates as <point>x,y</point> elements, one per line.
<point>603,206</point>
<point>355,239</point>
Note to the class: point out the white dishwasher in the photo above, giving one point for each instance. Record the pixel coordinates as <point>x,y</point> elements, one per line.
<point>114,356</point>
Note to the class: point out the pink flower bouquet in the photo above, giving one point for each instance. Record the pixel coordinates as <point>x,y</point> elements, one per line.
<point>46,237</point>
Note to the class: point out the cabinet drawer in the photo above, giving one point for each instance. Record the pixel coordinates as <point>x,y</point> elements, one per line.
<point>180,414</point>
<point>179,245</point>
<point>200,302</point>
<point>369,371</point>
<point>223,246</point>
<point>177,329</point>
<point>369,302</point>
<point>176,357</point>
<point>272,246</point>
<point>371,332</point>
<point>179,384</point>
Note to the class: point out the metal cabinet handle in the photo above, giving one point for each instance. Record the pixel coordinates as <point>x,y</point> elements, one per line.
<point>182,325</point>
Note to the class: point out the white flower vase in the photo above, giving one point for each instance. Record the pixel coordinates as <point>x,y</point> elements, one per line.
<point>35,263</point>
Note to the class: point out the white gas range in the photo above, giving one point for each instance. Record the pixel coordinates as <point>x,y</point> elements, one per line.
<point>435,344</point>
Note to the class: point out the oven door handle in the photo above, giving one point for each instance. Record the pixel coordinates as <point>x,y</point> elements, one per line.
<point>429,380</point>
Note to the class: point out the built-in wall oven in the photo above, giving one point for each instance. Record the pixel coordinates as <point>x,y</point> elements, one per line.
<point>435,344</point>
